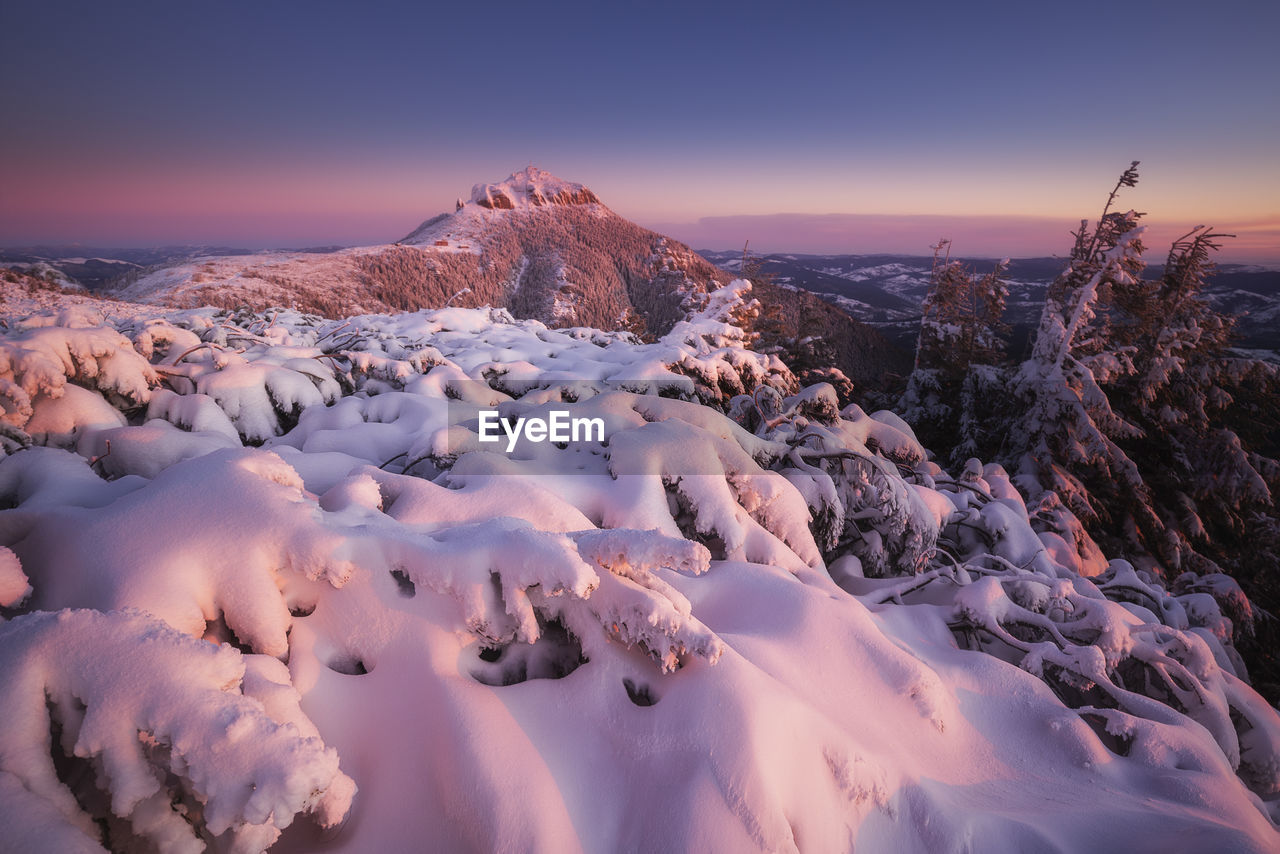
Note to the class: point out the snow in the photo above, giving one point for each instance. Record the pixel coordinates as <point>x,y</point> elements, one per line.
<point>745,619</point>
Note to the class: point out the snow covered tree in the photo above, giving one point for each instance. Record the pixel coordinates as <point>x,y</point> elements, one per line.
<point>1212,489</point>
<point>961,316</point>
<point>1181,384</point>
<point>959,353</point>
<point>1126,389</point>
<point>1065,437</point>
<point>1128,411</point>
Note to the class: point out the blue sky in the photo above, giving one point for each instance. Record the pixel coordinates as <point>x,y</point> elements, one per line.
<point>319,122</point>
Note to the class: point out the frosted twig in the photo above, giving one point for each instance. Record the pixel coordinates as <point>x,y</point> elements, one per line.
<point>335,330</point>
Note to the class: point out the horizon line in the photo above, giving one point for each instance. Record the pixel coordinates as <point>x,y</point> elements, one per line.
<point>1256,239</point>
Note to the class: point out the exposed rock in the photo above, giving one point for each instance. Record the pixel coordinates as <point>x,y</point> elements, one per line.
<point>531,187</point>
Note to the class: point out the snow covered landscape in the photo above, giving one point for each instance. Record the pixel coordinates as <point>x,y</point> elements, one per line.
<point>264,586</point>
<point>798,451</point>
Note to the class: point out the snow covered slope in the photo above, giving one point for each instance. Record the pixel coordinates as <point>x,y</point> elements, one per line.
<point>263,583</point>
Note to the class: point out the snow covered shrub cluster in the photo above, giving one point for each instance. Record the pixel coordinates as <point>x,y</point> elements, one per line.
<point>46,362</point>
<point>172,735</point>
<point>747,618</point>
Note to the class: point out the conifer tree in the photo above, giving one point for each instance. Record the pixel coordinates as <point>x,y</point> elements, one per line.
<point>1133,426</point>
<point>1130,405</point>
<point>1066,436</point>
<point>1207,486</point>
<point>958,357</point>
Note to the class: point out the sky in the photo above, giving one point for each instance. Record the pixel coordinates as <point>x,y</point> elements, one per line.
<point>800,127</point>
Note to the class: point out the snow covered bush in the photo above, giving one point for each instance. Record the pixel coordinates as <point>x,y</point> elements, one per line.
<point>846,464</point>
<point>128,730</point>
<point>36,365</point>
<point>202,570</point>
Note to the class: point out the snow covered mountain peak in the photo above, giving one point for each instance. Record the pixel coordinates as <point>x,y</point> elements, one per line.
<point>531,187</point>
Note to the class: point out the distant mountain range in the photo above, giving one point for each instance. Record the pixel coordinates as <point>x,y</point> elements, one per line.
<point>886,291</point>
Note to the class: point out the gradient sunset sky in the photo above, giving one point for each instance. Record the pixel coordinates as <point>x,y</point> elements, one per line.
<point>802,127</point>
